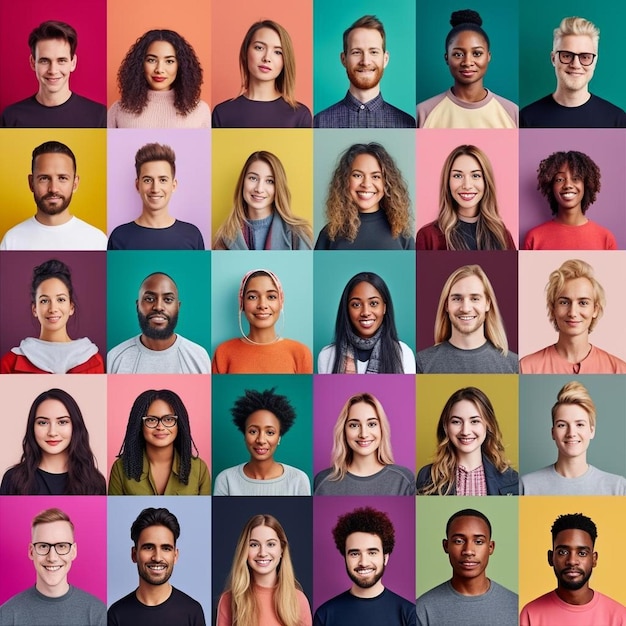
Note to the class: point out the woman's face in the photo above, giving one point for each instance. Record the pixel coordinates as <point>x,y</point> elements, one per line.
<point>53,427</point>
<point>261,302</point>
<point>467,185</point>
<point>160,65</point>
<point>53,307</point>
<point>362,429</point>
<point>366,309</point>
<point>265,56</point>
<point>466,428</point>
<point>262,435</point>
<point>468,58</point>
<point>366,185</point>
<point>259,190</point>
<point>161,436</point>
<point>264,553</point>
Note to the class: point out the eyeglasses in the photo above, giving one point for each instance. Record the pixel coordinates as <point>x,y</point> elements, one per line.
<point>169,421</point>
<point>61,548</point>
<point>585,58</point>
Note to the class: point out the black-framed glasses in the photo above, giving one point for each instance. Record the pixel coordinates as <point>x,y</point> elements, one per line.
<point>585,58</point>
<point>169,421</point>
<point>61,547</point>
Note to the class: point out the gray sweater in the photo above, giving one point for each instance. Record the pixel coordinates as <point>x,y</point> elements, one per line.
<point>593,482</point>
<point>444,358</point>
<point>392,480</point>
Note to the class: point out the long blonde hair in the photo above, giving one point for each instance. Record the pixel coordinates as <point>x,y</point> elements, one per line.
<point>238,216</point>
<point>342,455</point>
<point>490,229</point>
<point>494,328</point>
<point>443,469</point>
<point>239,582</point>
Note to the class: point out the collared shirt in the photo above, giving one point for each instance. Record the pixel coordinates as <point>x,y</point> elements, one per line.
<point>472,482</point>
<point>352,113</point>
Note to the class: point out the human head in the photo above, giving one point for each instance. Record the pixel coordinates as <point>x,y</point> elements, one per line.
<point>266,400</point>
<point>52,147</point>
<point>364,520</point>
<point>575,26</point>
<point>367,21</point>
<point>52,269</point>
<point>574,521</point>
<point>468,513</point>
<point>576,393</point>
<point>154,517</point>
<point>158,306</point>
<point>579,164</point>
<point>254,274</point>
<point>463,20</point>
<point>155,152</point>
<point>570,270</point>
<point>52,29</point>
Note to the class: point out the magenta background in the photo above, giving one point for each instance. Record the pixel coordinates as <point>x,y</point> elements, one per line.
<point>536,331</point>
<point>190,202</point>
<point>396,392</point>
<point>88,514</point>
<point>433,269</point>
<point>607,149</point>
<point>329,569</point>
<point>89,281</point>
<point>20,18</point>
<point>194,390</point>
<point>433,147</point>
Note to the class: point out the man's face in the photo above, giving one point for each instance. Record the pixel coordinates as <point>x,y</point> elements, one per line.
<point>468,547</point>
<point>365,561</point>
<point>155,554</point>
<point>53,182</point>
<point>52,569</point>
<point>574,76</point>
<point>572,558</point>
<point>365,59</point>
<point>155,185</point>
<point>157,307</point>
<point>467,305</point>
<point>53,65</point>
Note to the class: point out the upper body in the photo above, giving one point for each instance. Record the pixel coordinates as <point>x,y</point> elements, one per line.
<point>33,608</point>
<point>392,480</point>
<point>179,236</point>
<point>549,361</point>
<point>548,481</point>
<point>554,235</point>
<point>242,112</point>
<point>447,111</point>
<point>444,358</point>
<point>234,482</point>
<point>444,605</point>
<point>326,359</point>
<point>430,237</point>
<point>182,357</point>
<point>46,483</point>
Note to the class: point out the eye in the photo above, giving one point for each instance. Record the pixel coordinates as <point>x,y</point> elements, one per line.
<point>559,179</point>
<point>353,425</point>
<point>457,541</point>
<point>169,299</point>
<point>148,298</point>
<point>455,422</point>
<point>455,298</point>
<point>479,542</point>
<point>270,181</point>
<point>584,302</point>
<point>478,53</point>
<point>170,61</point>
<point>272,296</point>
<point>42,422</point>
<point>252,178</point>
<point>458,55</point>
<point>271,433</point>
<point>271,544</point>
<point>477,175</point>
<point>372,424</point>
<point>374,303</point>
<point>562,552</point>
<point>355,305</point>
<point>150,60</point>
<point>278,52</point>
<point>357,175</point>
<point>63,422</point>
<point>258,46</point>
<point>252,431</point>
<point>251,296</point>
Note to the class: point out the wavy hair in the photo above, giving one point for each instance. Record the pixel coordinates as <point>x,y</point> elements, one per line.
<point>83,477</point>
<point>443,469</point>
<point>239,582</point>
<point>342,212</point>
<point>134,444</point>
<point>491,233</point>
<point>576,393</point>
<point>494,327</point>
<point>342,455</point>
<point>132,83</point>
<point>238,216</point>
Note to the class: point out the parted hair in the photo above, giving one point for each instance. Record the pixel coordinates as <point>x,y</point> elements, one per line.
<point>155,152</point>
<point>367,21</point>
<point>365,520</point>
<point>576,393</point>
<point>575,521</point>
<point>53,29</point>
<point>266,400</point>
<point>576,26</point>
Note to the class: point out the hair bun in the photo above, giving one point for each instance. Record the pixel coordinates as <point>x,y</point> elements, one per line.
<point>465,16</point>
<point>53,267</point>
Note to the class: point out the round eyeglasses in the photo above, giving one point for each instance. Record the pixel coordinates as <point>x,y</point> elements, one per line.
<point>169,421</point>
<point>566,57</point>
<point>61,548</point>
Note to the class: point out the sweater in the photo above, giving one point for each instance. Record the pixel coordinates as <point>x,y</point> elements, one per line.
<point>326,360</point>
<point>233,482</point>
<point>594,482</point>
<point>159,112</point>
<point>179,236</point>
<point>391,480</point>
<point>556,236</point>
<point>245,113</point>
<point>286,356</point>
<point>444,358</point>
<point>430,237</point>
<point>549,361</point>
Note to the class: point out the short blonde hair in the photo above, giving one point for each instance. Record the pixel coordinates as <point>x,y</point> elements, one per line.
<point>52,515</point>
<point>576,26</point>
<point>576,393</point>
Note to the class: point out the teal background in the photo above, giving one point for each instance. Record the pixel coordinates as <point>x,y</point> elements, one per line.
<point>537,21</point>
<point>334,269</point>
<point>296,447</point>
<point>331,18</point>
<point>537,395</point>
<point>328,146</point>
<point>500,24</point>
<point>295,272</point>
<point>191,271</point>
<point>433,566</point>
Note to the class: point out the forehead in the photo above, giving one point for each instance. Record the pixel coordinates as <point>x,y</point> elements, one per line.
<point>268,36</point>
<point>263,533</point>
<point>363,541</point>
<point>576,43</point>
<point>263,419</point>
<point>580,287</point>
<point>571,413</point>
<point>155,169</point>
<point>51,408</point>
<point>159,407</point>
<point>365,38</point>
<point>366,163</point>
<point>260,283</point>
<point>52,49</point>
<point>466,162</point>
<point>362,410</point>
<point>53,162</point>
<point>52,286</point>
<point>573,537</point>
<point>158,535</point>
<point>468,39</point>
<point>161,48</point>
<point>260,167</point>
<point>464,408</point>
<point>468,285</point>
<point>158,283</point>
<point>364,291</point>
<point>469,526</point>
<point>52,532</point>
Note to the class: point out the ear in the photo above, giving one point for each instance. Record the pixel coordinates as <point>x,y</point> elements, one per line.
<point>174,185</point>
<point>137,184</point>
<point>444,543</point>
<point>553,59</point>
<point>72,309</point>
<point>74,551</point>
<point>34,310</point>
<point>492,547</point>
<point>30,182</point>
<point>385,59</point>
<point>594,561</point>
<point>76,181</point>
<point>385,559</point>
<point>489,57</point>
<point>342,57</point>
<point>175,555</point>
<point>550,558</point>
<point>593,432</point>
<point>31,61</point>
<point>31,549</point>
<point>133,554</point>
<point>445,58</point>
<point>73,63</point>
<point>552,433</point>
<point>488,307</point>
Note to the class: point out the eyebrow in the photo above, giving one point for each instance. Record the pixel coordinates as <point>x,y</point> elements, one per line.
<point>561,545</point>
<point>45,295</point>
<point>464,536</point>
<point>264,43</point>
<point>356,169</point>
<point>461,294</point>
<point>460,418</point>
<point>153,545</point>
<point>461,171</point>
<point>148,292</point>
<point>259,291</point>
<point>156,56</point>
<point>366,550</point>
<point>60,417</point>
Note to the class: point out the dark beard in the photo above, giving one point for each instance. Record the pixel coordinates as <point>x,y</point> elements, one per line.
<point>152,581</point>
<point>571,585</point>
<point>360,582</point>
<point>157,333</point>
<point>44,208</point>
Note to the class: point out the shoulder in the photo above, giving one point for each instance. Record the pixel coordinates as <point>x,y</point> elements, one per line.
<point>535,363</point>
<point>327,117</point>
<point>608,363</point>
<point>434,595</point>
<point>423,476</point>
<point>530,114</point>
<point>183,599</point>
<point>129,347</point>
<point>430,237</point>
<point>401,118</point>
<point>323,240</point>
<point>605,106</point>
<point>321,478</point>
<point>424,108</point>
<point>325,359</point>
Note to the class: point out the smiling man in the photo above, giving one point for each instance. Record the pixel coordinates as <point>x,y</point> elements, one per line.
<point>574,57</point>
<point>469,597</point>
<point>53,59</point>
<point>154,534</point>
<point>158,350</point>
<point>155,228</point>
<point>573,602</point>
<point>365,538</point>
<point>53,600</point>
<point>365,58</point>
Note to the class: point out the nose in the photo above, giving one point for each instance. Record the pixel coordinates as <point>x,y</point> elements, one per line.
<point>572,558</point>
<point>52,428</point>
<point>468,549</point>
<point>575,61</point>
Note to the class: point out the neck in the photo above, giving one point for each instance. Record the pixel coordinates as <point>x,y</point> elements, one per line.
<point>268,580</point>
<point>463,215</point>
<point>158,344</point>
<point>571,217</point>
<point>155,219</point>
<point>567,98</point>
<point>53,220</point>
<point>364,95</point>
<point>571,467</point>
<point>55,336</point>
<point>264,91</point>
<point>52,592</point>
<point>262,335</point>
<point>160,456</point>
<point>470,461</point>
<point>574,349</point>
<point>471,587</point>
<point>152,595</point>
<point>54,463</point>
<point>365,465</point>
<point>468,341</point>
<point>470,93</point>
<point>254,214</point>
<point>369,592</point>
<point>53,99</point>
<point>580,596</point>
<point>263,470</point>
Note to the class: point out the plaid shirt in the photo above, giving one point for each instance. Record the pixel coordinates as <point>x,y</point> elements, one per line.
<point>472,483</point>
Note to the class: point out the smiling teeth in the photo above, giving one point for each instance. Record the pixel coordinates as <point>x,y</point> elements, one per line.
<point>52,568</point>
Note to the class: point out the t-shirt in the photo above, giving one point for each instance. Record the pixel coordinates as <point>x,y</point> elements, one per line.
<point>45,483</point>
<point>32,608</point>
<point>73,235</point>
<point>444,605</point>
<point>444,358</point>
<point>595,113</point>
<point>245,113</point>
<point>556,236</point>
<point>386,609</point>
<point>550,610</point>
<point>233,482</point>
<point>594,482</point>
<point>391,480</point>
<point>75,112</point>
<point>549,361</point>
<point>178,610</point>
<point>178,236</point>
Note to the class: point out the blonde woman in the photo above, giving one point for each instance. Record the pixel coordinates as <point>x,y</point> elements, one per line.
<point>262,589</point>
<point>261,217</point>
<point>468,207</point>
<point>362,460</point>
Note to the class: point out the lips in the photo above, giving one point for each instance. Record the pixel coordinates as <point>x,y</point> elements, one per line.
<point>159,318</point>
<point>54,442</point>
<point>52,568</point>
<point>159,79</point>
